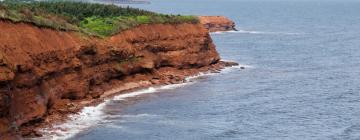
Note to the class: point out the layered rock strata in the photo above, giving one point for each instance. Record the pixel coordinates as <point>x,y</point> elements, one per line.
<point>46,74</point>
<point>217,23</point>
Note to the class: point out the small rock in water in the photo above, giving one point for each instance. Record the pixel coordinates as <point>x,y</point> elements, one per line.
<point>218,71</point>
<point>242,67</point>
<point>229,64</point>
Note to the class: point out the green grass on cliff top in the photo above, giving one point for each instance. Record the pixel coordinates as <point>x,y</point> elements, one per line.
<point>90,18</point>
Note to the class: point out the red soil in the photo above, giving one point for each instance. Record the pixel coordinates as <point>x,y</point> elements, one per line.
<point>217,23</point>
<point>47,74</point>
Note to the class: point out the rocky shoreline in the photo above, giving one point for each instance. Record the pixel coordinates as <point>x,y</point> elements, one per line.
<point>55,73</point>
<point>163,76</point>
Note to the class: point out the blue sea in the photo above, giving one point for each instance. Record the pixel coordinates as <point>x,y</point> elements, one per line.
<point>301,79</point>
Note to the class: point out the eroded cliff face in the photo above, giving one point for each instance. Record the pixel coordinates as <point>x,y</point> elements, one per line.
<point>217,23</point>
<point>45,72</point>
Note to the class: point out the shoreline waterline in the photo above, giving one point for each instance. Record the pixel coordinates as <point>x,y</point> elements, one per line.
<point>93,115</point>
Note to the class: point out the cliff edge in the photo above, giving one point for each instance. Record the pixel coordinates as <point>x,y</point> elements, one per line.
<point>217,23</point>
<point>46,74</point>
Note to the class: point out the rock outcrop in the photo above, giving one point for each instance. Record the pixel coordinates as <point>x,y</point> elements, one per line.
<point>45,74</point>
<point>217,23</point>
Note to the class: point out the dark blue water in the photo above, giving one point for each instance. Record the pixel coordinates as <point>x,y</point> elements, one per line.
<point>302,82</point>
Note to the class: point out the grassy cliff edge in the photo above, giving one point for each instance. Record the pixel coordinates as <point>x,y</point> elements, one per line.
<point>90,18</point>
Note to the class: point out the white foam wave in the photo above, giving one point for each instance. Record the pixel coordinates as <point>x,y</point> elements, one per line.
<point>257,32</point>
<point>173,86</point>
<point>88,116</point>
<point>201,74</point>
<point>136,93</point>
<point>93,115</point>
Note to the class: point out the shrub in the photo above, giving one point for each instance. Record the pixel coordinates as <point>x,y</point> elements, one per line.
<point>99,25</point>
<point>90,18</point>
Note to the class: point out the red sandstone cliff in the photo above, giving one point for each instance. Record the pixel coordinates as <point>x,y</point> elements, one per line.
<point>217,23</point>
<point>46,73</point>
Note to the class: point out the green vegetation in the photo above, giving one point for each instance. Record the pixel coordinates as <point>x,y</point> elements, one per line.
<point>90,18</point>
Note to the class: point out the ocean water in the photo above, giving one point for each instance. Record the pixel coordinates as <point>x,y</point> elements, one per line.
<point>301,81</point>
